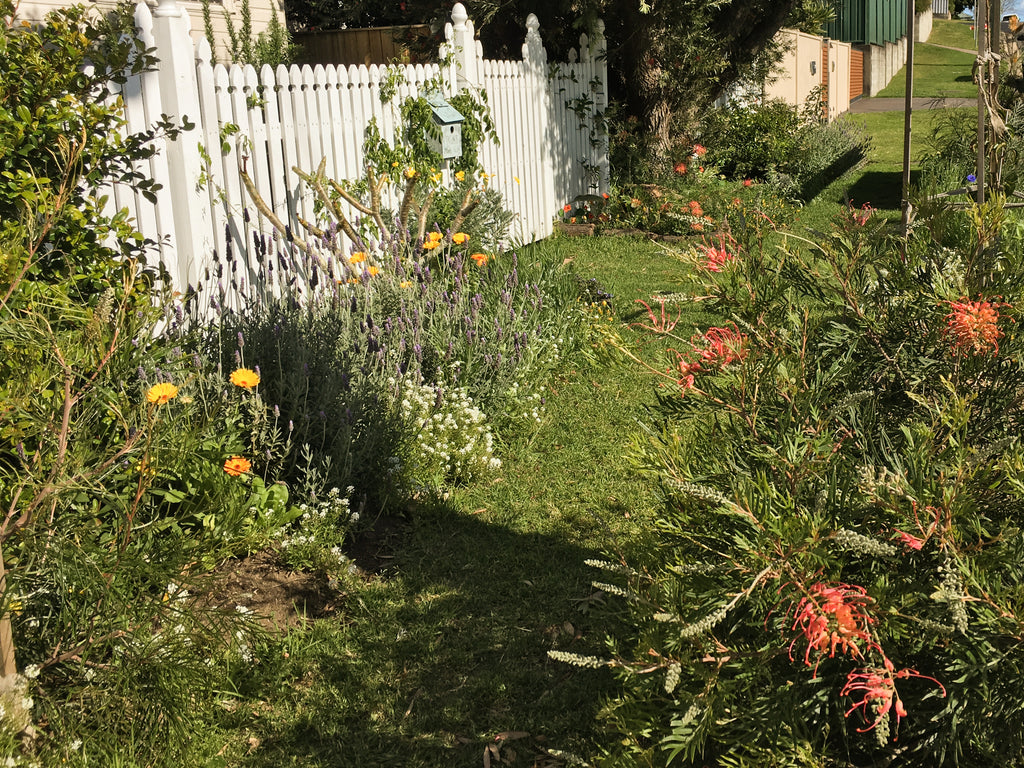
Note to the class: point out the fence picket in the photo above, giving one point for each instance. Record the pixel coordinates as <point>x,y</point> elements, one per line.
<point>295,116</point>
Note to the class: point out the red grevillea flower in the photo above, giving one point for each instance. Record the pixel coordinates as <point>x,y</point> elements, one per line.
<point>715,258</point>
<point>720,346</point>
<point>911,542</point>
<point>974,326</point>
<point>877,687</point>
<point>832,617</point>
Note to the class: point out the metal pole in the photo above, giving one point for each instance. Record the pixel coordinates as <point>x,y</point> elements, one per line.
<point>980,15</point>
<point>907,110</point>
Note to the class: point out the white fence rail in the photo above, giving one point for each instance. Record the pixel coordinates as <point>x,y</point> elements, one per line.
<point>547,119</point>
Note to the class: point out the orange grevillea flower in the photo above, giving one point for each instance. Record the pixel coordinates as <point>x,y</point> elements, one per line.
<point>974,326</point>
<point>680,168</point>
<point>877,687</point>
<point>697,226</point>
<point>459,238</point>
<point>161,393</point>
<point>246,378</point>
<point>699,151</point>
<point>695,208</point>
<point>832,617</point>
<point>237,465</point>
<point>480,258</point>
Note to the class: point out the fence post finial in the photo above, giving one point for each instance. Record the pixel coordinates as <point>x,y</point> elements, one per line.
<point>459,16</point>
<point>167,8</point>
<point>533,46</point>
<point>465,69</point>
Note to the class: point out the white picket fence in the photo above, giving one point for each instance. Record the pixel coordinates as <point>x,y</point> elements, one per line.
<point>547,118</point>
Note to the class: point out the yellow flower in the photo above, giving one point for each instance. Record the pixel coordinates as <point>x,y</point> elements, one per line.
<point>245,378</point>
<point>237,465</point>
<point>435,237</point>
<point>516,179</point>
<point>430,245</point>
<point>410,172</point>
<point>405,284</point>
<point>460,175</point>
<point>357,258</point>
<point>161,393</point>
<point>372,271</point>
<point>459,238</point>
<point>436,177</point>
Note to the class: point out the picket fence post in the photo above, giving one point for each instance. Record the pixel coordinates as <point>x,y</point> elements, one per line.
<point>192,236</point>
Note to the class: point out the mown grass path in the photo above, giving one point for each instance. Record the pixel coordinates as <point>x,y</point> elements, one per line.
<point>446,649</point>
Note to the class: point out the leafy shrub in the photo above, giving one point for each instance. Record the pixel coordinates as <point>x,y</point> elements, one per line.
<point>836,571</point>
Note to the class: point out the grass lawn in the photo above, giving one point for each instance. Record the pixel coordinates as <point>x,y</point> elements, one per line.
<point>446,649</point>
<point>953,33</point>
<point>938,72</point>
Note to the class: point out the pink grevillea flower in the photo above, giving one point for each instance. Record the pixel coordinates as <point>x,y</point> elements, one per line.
<point>715,258</point>
<point>720,346</point>
<point>911,542</point>
<point>974,326</point>
<point>877,689</point>
<point>660,321</point>
<point>860,218</point>
<point>831,618</point>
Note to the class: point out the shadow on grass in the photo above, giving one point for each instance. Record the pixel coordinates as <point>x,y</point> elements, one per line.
<point>433,663</point>
<point>882,189</point>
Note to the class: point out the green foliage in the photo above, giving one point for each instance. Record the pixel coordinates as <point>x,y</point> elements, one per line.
<point>837,563</point>
<point>796,150</point>
<point>273,46</point>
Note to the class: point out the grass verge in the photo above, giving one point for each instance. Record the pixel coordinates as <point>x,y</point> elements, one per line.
<point>443,656</point>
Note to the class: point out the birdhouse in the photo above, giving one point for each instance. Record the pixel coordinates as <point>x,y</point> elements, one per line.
<point>449,121</point>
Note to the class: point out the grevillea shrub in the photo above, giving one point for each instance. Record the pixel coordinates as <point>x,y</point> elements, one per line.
<point>835,578</point>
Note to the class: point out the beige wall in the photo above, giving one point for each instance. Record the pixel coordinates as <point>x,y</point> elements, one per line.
<point>800,72</point>
<point>796,78</point>
<point>261,12</point>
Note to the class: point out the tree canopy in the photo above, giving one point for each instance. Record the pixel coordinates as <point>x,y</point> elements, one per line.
<point>666,57</point>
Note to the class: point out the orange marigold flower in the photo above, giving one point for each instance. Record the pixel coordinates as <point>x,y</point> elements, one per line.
<point>246,378</point>
<point>357,258</point>
<point>161,393</point>
<point>237,465</point>
<point>430,245</point>
<point>974,326</point>
<point>459,238</point>
<point>480,258</point>
<point>372,271</point>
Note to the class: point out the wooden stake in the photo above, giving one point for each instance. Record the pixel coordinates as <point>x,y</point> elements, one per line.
<point>907,109</point>
<point>980,16</point>
<point>7,665</point>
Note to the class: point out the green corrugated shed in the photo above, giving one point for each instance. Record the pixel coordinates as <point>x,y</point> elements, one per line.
<point>874,22</point>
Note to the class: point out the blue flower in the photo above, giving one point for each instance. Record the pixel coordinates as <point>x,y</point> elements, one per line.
<point>971,178</point>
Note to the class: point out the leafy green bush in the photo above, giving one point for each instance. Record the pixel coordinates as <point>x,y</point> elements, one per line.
<point>836,573</point>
